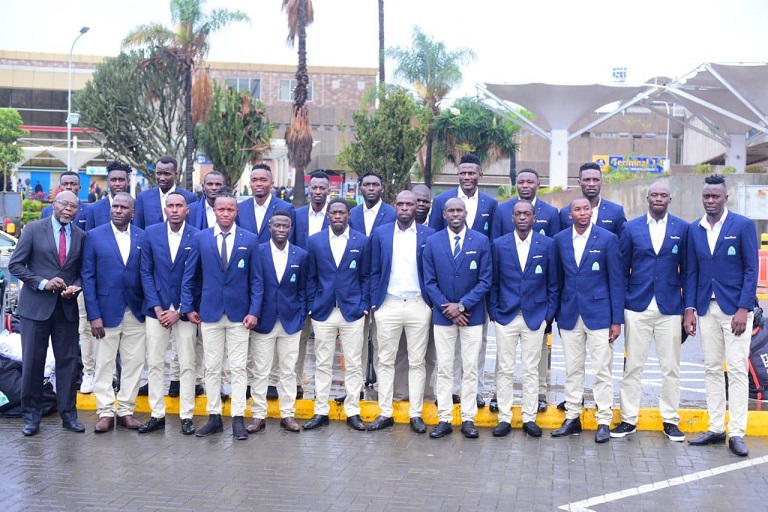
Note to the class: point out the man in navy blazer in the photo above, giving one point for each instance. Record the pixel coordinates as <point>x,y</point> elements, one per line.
<point>118,177</point>
<point>164,254</point>
<point>547,223</point>
<point>254,214</point>
<point>605,214</point>
<point>522,302</point>
<point>338,298</point>
<point>114,300</point>
<point>654,252</point>
<point>150,204</point>
<point>480,211</point>
<point>227,307</point>
<point>373,212</point>
<point>48,259</point>
<point>283,311</point>
<point>591,310</point>
<point>457,276</point>
<point>402,305</point>
<point>201,213</point>
<point>70,181</point>
<point>720,289</point>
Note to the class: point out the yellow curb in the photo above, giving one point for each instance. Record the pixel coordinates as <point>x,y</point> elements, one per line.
<point>762,296</point>
<point>691,420</point>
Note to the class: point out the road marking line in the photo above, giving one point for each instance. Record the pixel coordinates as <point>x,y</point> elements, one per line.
<point>583,506</point>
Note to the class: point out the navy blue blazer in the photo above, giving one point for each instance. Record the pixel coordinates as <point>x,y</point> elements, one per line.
<point>285,300</point>
<point>346,285</point>
<point>246,217</point>
<point>109,285</point>
<point>300,231</point>
<point>595,288</point>
<point>149,209</point>
<point>381,260</point>
<point>357,217</point>
<point>161,277</point>
<point>97,214</point>
<point>235,292</point>
<point>547,219</point>
<point>79,219</point>
<point>610,216</point>
<point>647,274</point>
<point>534,290</point>
<point>464,279</point>
<point>486,209</point>
<point>197,216</point>
<point>730,272</point>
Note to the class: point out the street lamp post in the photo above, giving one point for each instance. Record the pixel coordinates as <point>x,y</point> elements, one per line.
<point>69,102</point>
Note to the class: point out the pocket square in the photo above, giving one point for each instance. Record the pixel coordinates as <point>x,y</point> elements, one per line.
<point>473,265</point>
<point>187,248</point>
<point>606,220</point>
<point>354,250</point>
<point>241,264</point>
<point>673,237</point>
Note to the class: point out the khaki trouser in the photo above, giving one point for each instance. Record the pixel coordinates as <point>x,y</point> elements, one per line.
<point>263,348</point>
<point>218,336</point>
<point>469,339</point>
<point>158,338</point>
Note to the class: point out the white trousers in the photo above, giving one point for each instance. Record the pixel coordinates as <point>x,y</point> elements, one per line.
<point>469,339</point>
<point>263,349</point>
<point>218,336</point>
<point>508,337</point>
<point>639,329</point>
<point>719,344</point>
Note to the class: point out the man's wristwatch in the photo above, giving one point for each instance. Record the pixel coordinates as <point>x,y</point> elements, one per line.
<point>461,307</point>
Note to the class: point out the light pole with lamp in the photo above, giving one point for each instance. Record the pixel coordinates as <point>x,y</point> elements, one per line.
<point>72,119</point>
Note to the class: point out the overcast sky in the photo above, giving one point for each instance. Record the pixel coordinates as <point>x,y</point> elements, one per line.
<point>556,41</point>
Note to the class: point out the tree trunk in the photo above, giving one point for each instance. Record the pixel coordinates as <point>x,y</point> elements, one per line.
<point>382,78</point>
<point>428,159</point>
<point>189,150</point>
<point>299,197</point>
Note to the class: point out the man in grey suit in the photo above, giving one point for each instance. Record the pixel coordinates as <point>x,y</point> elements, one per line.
<point>47,259</point>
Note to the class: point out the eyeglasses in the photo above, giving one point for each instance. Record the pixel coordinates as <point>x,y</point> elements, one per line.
<point>67,204</point>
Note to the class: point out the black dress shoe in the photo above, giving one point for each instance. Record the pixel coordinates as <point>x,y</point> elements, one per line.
<point>299,392</point>
<point>469,429</point>
<point>73,425</point>
<point>272,393</point>
<point>532,429</point>
<point>30,429</point>
<point>502,429</point>
<point>570,427</point>
<point>174,388</point>
<point>603,434</point>
<point>381,422</point>
<point>708,438</point>
<point>152,424</point>
<point>238,429</point>
<point>187,427</point>
<point>442,429</point>
<point>494,404</point>
<point>356,422</point>
<point>737,446</point>
<point>543,405</point>
<point>417,425</point>
<point>143,390</point>
<point>480,401</point>
<point>199,390</point>
<point>456,399</point>
<point>213,426</point>
<point>248,392</point>
<point>317,421</point>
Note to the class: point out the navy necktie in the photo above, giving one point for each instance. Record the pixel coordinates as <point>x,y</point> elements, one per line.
<point>456,248</point>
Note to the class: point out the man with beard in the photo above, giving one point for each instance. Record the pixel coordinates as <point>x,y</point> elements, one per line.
<point>150,204</point>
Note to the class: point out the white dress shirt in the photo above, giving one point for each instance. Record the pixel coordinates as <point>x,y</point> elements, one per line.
<point>452,238</point>
<point>261,211</point>
<point>163,197</point>
<point>123,239</point>
<point>316,219</point>
<point>470,203</point>
<point>338,244</point>
<point>523,248</point>
<point>596,210</point>
<point>369,216</point>
<point>280,259</point>
<point>580,243</point>
<point>713,232</point>
<point>210,217</point>
<point>657,230</point>
<point>230,240</point>
<point>404,274</point>
<point>174,240</point>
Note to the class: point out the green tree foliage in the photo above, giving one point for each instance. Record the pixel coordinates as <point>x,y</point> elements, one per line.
<point>186,46</point>
<point>237,131</point>
<point>386,140</point>
<point>471,127</point>
<point>136,112</point>
<point>10,132</point>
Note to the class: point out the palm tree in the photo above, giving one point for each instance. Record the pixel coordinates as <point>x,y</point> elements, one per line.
<point>382,78</point>
<point>298,137</point>
<point>433,71</point>
<point>187,47</point>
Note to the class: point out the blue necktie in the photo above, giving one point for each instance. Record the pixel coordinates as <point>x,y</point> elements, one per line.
<point>456,248</point>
